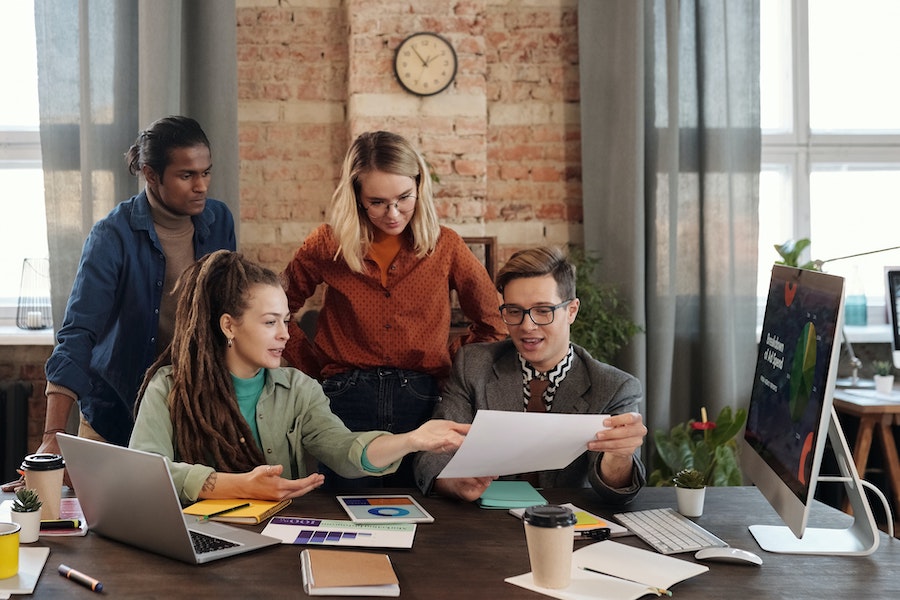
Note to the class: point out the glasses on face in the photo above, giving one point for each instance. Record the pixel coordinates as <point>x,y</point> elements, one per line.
<point>380,208</point>
<point>539,315</point>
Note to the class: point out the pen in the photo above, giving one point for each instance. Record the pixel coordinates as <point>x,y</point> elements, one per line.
<point>222,512</point>
<point>60,524</point>
<point>655,590</point>
<point>79,577</point>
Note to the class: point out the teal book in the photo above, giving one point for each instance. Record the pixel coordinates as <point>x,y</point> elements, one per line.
<point>510,494</point>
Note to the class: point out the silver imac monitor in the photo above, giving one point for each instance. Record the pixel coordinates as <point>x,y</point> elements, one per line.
<point>790,416</point>
<point>892,293</point>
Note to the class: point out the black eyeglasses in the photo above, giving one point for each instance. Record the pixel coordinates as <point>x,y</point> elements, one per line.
<point>539,315</point>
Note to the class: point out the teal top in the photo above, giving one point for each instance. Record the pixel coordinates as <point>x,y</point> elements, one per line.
<point>247,392</point>
<point>293,418</point>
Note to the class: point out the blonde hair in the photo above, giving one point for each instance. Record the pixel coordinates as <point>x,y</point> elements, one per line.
<point>389,153</point>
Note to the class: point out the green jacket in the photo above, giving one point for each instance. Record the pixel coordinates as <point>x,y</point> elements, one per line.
<point>293,417</point>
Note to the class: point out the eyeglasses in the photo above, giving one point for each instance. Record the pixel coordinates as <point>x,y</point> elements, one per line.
<point>539,315</point>
<point>380,208</point>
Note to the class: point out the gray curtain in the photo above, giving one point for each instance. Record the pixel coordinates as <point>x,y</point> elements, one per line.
<point>671,157</point>
<point>107,69</point>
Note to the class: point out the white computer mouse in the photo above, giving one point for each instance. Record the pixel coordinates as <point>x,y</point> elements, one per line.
<point>732,555</point>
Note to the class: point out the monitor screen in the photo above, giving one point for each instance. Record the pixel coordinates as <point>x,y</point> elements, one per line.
<point>790,403</point>
<point>892,287</point>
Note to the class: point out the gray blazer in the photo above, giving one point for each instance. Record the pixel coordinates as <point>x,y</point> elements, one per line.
<point>489,376</point>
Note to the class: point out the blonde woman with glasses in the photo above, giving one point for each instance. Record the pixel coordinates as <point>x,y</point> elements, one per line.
<point>381,346</point>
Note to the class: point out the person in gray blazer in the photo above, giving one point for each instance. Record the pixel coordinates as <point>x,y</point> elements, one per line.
<point>539,305</point>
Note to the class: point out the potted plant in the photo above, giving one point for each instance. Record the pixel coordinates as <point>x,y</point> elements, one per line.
<point>884,376</point>
<point>603,326</point>
<point>690,491</point>
<point>707,446</point>
<point>790,254</point>
<point>26,511</point>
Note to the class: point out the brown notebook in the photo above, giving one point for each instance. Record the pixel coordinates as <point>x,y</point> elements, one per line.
<point>347,573</point>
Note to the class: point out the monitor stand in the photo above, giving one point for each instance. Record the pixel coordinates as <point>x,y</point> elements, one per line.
<point>860,539</point>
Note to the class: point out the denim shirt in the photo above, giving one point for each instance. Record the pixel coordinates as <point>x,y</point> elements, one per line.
<point>108,336</point>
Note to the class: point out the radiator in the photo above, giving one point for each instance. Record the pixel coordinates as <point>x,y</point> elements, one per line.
<point>14,397</point>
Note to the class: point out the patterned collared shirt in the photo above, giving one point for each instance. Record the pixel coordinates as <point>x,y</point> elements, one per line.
<point>555,376</point>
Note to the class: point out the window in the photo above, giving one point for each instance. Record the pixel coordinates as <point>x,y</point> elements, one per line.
<point>831,138</point>
<point>23,228</point>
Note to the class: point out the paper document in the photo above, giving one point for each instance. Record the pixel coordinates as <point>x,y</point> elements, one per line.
<point>502,442</point>
<point>325,532</point>
<point>630,573</point>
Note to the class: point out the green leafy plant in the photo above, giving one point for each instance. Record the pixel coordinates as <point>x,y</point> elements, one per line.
<point>26,500</point>
<point>691,479</point>
<point>882,367</point>
<point>603,325</point>
<point>790,254</point>
<point>709,447</point>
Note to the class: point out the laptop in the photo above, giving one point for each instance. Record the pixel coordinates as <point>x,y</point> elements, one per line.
<point>128,495</point>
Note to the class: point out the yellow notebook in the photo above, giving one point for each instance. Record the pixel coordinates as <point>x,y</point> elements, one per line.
<point>256,512</point>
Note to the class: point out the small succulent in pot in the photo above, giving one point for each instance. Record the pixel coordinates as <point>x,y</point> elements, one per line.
<point>690,479</point>
<point>26,500</point>
<point>882,367</point>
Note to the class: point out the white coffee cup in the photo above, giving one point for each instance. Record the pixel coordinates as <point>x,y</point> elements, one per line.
<point>548,532</point>
<point>44,474</point>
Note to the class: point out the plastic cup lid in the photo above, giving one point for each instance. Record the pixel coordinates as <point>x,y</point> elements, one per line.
<point>549,515</point>
<point>43,462</point>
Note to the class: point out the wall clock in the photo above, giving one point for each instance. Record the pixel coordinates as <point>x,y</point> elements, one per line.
<point>425,63</point>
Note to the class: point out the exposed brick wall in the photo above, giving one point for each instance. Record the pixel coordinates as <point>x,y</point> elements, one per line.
<point>27,363</point>
<point>504,138</point>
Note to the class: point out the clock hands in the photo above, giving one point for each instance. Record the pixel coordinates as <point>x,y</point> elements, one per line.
<point>424,62</point>
<point>431,58</point>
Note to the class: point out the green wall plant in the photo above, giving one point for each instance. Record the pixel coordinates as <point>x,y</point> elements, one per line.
<point>603,325</point>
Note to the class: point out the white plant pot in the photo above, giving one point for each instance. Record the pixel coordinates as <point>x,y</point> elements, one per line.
<point>884,384</point>
<point>690,501</point>
<point>30,523</point>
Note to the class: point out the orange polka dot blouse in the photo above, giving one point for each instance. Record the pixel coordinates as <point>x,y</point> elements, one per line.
<point>404,324</point>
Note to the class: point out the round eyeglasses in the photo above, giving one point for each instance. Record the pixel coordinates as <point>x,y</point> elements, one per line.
<point>380,208</point>
<point>539,315</point>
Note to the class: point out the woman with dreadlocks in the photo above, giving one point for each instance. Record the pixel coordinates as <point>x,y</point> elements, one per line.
<point>234,423</point>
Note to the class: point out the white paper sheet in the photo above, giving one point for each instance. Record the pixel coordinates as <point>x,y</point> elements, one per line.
<point>633,573</point>
<point>505,443</point>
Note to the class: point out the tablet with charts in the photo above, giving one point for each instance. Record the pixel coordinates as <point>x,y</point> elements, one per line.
<point>384,509</point>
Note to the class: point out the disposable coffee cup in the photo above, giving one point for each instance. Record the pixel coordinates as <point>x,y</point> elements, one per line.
<point>9,550</point>
<point>548,533</point>
<point>44,474</point>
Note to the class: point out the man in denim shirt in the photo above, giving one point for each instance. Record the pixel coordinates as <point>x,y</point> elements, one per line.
<point>120,313</point>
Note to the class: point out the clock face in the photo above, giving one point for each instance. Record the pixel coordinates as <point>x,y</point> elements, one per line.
<point>425,64</point>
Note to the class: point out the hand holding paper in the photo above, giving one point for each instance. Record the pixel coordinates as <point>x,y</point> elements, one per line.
<point>505,443</point>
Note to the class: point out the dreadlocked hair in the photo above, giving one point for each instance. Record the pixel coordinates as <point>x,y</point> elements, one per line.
<point>207,424</point>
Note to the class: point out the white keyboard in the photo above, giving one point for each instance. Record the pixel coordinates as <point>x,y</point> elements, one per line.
<point>668,531</point>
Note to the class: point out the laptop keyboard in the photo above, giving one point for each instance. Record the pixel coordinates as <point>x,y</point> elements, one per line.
<point>668,531</point>
<point>206,543</point>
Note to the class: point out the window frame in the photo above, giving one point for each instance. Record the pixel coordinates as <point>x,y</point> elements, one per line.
<point>801,151</point>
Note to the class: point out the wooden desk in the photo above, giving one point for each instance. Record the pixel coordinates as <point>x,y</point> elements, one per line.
<point>467,552</point>
<point>875,417</point>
